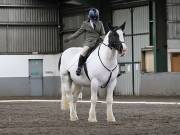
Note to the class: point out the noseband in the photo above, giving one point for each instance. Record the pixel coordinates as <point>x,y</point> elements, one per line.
<point>115,45</point>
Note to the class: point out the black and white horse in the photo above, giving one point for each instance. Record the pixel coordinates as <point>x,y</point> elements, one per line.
<point>102,71</point>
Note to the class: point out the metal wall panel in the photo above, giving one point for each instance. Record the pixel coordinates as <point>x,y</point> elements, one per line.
<point>3,15</point>
<point>32,39</point>
<point>73,22</point>
<point>173,12</point>
<point>121,16</point>
<point>141,20</point>
<point>173,30</point>
<point>173,1</point>
<point>29,15</point>
<point>31,29</point>
<point>140,41</point>
<point>3,40</point>
<point>124,82</point>
<point>173,19</point>
<point>23,2</point>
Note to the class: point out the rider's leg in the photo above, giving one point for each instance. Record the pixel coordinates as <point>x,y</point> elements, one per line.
<point>82,59</point>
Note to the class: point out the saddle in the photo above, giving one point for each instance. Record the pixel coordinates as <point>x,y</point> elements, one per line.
<point>100,40</point>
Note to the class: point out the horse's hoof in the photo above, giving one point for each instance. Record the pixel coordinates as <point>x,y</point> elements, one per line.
<point>74,119</point>
<point>111,120</point>
<point>92,120</point>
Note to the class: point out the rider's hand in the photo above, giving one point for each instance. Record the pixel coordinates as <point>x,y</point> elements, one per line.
<point>66,40</point>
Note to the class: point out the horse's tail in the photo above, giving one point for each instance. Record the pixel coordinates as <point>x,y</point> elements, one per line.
<point>59,64</point>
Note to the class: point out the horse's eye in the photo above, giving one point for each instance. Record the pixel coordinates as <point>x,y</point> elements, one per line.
<point>124,34</point>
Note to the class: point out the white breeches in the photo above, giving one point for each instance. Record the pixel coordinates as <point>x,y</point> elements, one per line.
<point>85,50</point>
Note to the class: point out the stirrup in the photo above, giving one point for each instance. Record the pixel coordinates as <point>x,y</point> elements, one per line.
<point>78,71</point>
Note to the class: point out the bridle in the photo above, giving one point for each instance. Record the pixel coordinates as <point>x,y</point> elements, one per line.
<point>116,46</point>
<point>110,46</point>
<point>119,44</point>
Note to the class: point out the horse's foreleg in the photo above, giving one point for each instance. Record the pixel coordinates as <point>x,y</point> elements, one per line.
<point>92,111</point>
<point>109,100</point>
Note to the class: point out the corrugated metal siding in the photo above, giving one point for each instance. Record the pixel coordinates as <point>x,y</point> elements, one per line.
<point>141,20</point>
<point>173,19</point>
<point>32,15</point>
<point>120,16</point>
<point>32,39</point>
<point>173,1</point>
<point>29,29</point>
<point>141,26</point>
<point>3,15</point>
<point>140,42</point>
<point>23,2</point>
<point>124,82</point>
<point>3,40</point>
<point>71,24</point>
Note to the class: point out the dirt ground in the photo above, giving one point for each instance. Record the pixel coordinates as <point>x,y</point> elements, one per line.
<point>46,118</point>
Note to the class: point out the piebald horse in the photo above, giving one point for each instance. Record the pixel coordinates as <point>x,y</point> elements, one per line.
<point>102,70</point>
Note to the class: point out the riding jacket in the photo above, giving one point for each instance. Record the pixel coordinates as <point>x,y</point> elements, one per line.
<point>91,34</point>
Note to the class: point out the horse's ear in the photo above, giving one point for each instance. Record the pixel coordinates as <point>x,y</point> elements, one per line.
<point>110,26</point>
<point>122,27</point>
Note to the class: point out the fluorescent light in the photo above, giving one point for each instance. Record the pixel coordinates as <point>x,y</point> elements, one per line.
<point>73,2</point>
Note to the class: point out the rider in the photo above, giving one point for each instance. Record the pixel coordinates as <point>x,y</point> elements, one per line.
<point>94,30</point>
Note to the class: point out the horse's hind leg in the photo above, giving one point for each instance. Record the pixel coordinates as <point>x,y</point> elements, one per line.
<point>109,100</point>
<point>72,97</point>
<point>76,89</point>
<point>65,86</point>
<point>92,111</point>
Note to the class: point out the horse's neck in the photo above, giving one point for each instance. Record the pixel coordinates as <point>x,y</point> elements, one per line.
<point>108,56</point>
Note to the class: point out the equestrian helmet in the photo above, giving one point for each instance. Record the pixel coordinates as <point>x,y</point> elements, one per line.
<point>93,14</point>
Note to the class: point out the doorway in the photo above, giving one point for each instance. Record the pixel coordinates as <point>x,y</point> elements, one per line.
<point>36,77</point>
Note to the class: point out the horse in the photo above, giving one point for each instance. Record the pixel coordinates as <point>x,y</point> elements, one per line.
<point>101,71</point>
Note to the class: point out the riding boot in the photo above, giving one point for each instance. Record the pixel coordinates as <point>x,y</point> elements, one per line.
<point>82,59</point>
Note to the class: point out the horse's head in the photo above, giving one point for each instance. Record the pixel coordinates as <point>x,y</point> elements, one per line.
<point>116,38</point>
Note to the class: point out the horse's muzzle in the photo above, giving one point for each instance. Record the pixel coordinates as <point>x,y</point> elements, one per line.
<point>123,50</point>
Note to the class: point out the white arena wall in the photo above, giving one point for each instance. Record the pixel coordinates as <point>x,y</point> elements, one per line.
<point>14,75</point>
